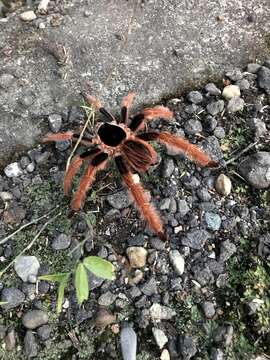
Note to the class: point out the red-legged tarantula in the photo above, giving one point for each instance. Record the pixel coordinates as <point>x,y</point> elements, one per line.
<point>120,139</point>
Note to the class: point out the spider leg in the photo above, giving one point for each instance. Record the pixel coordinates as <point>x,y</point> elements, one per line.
<point>141,199</point>
<point>97,163</point>
<point>69,135</point>
<point>180,145</point>
<point>75,165</point>
<point>126,103</point>
<point>97,105</point>
<point>138,121</point>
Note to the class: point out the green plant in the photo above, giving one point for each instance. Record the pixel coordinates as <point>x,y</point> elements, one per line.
<point>96,265</point>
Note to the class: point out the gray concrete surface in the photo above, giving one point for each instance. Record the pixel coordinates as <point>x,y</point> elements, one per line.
<point>173,45</point>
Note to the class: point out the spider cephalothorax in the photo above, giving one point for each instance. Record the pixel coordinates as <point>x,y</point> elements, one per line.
<point>120,139</point>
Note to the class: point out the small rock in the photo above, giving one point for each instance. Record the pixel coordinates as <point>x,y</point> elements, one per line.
<point>107,299</point>
<point>195,97</point>
<point>104,318</point>
<point>212,89</point>
<point>14,297</point>
<point>195,239</point>
<point>187,347</point>
<point>28,15</point>
<point>137,256</point>
<point>209,309</point>
<point>193,126</point>
<point>149,288</point>
<point>13,170</point>
<point>30,345</point>
<point>167,168</point>
<point>6,196</point>
<point>160,337</point>
<point>10,340</point>
<point>183,208</point>
<point>120,200</point>
<point>210,123</point>
<point>213,221</point>
<point>6,80</point>
<point>112,215</point>
<point>55,122</point>
<point>62,145</point>
<point>165,204</point>
<point>203,194</point>
<point>42,158</point>
<point>216,354</point>
<point>231,91</point>
<point>157,244</point>
<point>44,332</point>
<point>128,339</point>
<point>243,84</point>
<point>234,75</point>
<point>30,168</point>
<point>264,79</point>
<point>159,312</point>
<point>34,318</point>
<point>61,242</point>
<point>258,126</point>
<point>219,132</point>
<point>178,262</point>
<point>227,249</point>
<point>26,266</point>
<point>253,68</point>
<point>3,330</point>
<point>223,185</point>
<point>165,355</point>
<point>215,107</point>
<point>256,169</point>
<point>235,104</point>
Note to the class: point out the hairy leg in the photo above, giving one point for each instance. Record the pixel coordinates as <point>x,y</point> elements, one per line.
<point>69,135</point>
<point>141,199</point>
<point>138,121</point>
<point>180,145</point>
<point>97,163</point>
<point>126,103</point>
<point>97,105</point>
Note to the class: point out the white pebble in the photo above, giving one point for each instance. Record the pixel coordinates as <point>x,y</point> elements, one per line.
<point>231,91</point>
<point>28,15</point>
<point>13,170</point>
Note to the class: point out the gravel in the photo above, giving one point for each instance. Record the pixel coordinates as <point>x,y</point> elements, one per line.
<point>231,91</point>
<point>30,345</point>
<point>159,312</point>
<point>195,97</point>
<point>55,122</point>
<point>25,266</point>
<point>223,185</point>
<point>149,288</point>
<point>256,169</point>
<point>160,337</point>
<point>137,256</point>
<point>61,242</point>
<point>178,262</point>
<point>253,68</point>
<point>195,239</point>
<point>34,318</point>
<point>215,107</point>
<point>13,170</point>
<point>13,296</point>
<point>187,347</point>
<point>28,15</point>
<point>212,89</point>
<point>213,221</point>
<point>235,104</point>
<point>107,299</point>
<point>227,249</point>
<point>208,309</point>
<point>167,168</point>
<point>119,200</point>
<point>193,126</point>
<point>264,79</point>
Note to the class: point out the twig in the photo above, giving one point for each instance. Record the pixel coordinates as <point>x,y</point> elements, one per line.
<point>241,153</point>
<point>91,116</point>
<point>3,241</point>
<point>30,244</point>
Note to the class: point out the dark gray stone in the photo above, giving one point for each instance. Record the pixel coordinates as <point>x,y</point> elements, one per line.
<point>119,200</point>
<point>61,242</point>
<point>195,97</point>
<point>34,318</point>
<point>6,80</point>
<point>235,74</point>
<point>195,239</point>
<point>157,244</point>
<point>227,249</point>
<point>203,194</point>
<point>208,309</point>
<point>210,123</point>
<point>212,89</point>
<point>107,299</point>
<point>243,84</point>
<point>62,145</point>
<point>193,126</point>
<point>187,347</point>
<point>264,79</point>
<point>256,169</point>
<point>219,132</point>
<point>30,345</point>
<point>183,208</point>
<point>149,288</point>
<point>253,68</point>
<point>14,297</point>
<point>216,354</point>
<point>235,104</point>
<point>215,107</point>
<point>167,168</point>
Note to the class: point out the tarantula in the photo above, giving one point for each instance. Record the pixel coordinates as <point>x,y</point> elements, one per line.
<point>119,138</point>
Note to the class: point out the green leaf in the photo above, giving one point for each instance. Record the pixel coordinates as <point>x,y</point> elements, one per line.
<point>58,277</point>
<point>81,283</point>
<point>99,267</point>
<point>60,295</point>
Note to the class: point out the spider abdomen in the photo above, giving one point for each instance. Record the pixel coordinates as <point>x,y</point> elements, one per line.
<point>138,154</point>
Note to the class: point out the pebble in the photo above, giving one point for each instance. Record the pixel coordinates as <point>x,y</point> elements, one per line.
<point>61,242</point>
<point>30,345</point>
<point>234,75</point>
<point>13,296</point>
<point>157,244</point>
<point>210,123</point>
<point>62,145</point>
<point>195,97</point>
<point>216,354</point>
<point>167,168</point>
<point>264,79</point>
<point>104,318</point>
<point>160,312</point>
<point>6,196</point>
<point>187,347</point>
<point>209,309</point>
<point>231,91</point>
<point>28,15</point>
<point>107,299</point>
<point>259,127</point>
<point>6,80</point>
<point>213,221</point>
<point>243,84</point>
<point>212,89</point>
<point>256,169</point>
<point>219,132</point>
<point>55,122</point>
<point>160,337</point>
<point>195,239</point>
<point>10,340</point>
<point>193,126</point>
<point>178,262</point>
<point>165,355</point>
<point>227,249</point>
<point>223,185</point>
<point>215,107</point>
<point>137,256</point>
<point>44,332</point>
<point>165,204</point>
<point>128,340</point>
<point>42,158</point>
<point>149,288</point>
<point>235,104</point>
<point>183,208</point>
<point>13,170</point>
<point>119,200</point>
<point>26,266</point>
<point>34,318</point>
<point>253,68</point>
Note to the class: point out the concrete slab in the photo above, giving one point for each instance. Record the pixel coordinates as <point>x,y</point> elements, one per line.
<point>172,45</point>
